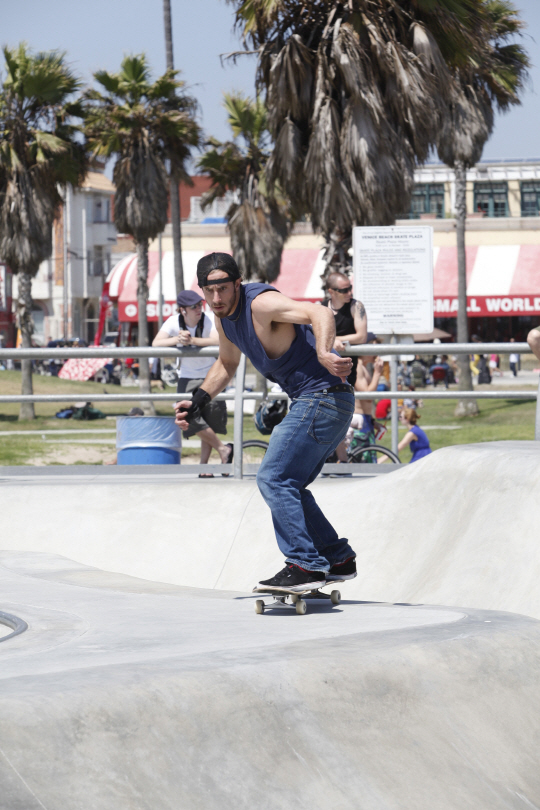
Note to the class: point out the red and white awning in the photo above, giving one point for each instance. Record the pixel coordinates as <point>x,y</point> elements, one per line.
<point>501,280</point>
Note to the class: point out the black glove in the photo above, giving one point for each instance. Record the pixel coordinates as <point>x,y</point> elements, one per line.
<point>200,400</point>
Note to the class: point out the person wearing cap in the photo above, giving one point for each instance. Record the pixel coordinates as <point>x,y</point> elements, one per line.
<point>292,344</point>
<point>350,315</point>
<point>191,326</point>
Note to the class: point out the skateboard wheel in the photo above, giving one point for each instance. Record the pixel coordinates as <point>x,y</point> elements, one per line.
<point>335,597</point>
<point>301,607</point>
<point>259,606</point>
<point>294,598</point>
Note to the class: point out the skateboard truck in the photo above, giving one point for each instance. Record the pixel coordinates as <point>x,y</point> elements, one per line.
<point>281,598</point>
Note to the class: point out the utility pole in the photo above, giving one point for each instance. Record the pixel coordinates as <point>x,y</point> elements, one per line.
<point>174,195</point>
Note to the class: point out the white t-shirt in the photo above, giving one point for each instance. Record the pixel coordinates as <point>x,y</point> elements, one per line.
<point>194,368</point>
<point>514,358</point>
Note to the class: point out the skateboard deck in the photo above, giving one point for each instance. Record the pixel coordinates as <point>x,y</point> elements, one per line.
<point>294,599</point>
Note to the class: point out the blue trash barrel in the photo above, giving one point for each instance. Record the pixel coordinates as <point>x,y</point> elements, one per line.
<point>148,440</point>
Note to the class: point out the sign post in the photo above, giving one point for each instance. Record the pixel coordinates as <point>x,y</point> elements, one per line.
<point>393,278</point>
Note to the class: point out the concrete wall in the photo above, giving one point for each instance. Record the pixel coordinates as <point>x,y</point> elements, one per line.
<point>458,528</point>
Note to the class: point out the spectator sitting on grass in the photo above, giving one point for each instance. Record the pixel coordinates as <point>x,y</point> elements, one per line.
<point>415,436</point>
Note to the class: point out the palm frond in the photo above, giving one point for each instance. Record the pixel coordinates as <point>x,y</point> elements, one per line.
<point>39,150</point>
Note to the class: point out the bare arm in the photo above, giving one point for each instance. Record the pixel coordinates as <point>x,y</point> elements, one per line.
<point>184,339</point>
<point>277,308</point>
<point>218,377</point>
<point>362,383</point>
<point>163,339</point>
<point>407,439</point>
<point>211,340</point>
<point>360,327</point>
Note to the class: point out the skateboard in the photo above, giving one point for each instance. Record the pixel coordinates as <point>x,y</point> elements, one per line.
<point>300,605</point>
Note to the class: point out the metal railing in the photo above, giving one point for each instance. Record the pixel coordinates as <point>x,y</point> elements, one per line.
<point>391,350</point>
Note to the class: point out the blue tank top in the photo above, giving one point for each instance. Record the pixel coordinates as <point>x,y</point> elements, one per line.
<point>420,447</point>
<point>298,371</point>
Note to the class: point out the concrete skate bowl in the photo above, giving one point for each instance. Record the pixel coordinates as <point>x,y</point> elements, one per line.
<point>458,528</point>
<point>129,694</point>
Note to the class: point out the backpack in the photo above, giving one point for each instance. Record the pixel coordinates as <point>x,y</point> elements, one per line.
<point>88,412</point>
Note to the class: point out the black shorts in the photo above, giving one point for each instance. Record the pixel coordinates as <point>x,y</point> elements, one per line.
<point>214,415</point>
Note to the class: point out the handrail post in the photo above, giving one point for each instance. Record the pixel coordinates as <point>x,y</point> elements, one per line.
<point>238,468</point>
<point>537,420</point>
<point>394,420</point>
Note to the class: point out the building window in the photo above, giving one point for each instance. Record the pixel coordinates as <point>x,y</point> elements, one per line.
<point>91,322</point>
<point>98,261</point>
<point>530,198</point>
<point>491,198</point>
<point>38,316</point>
<point>101,209</point>
<point>426,198</point>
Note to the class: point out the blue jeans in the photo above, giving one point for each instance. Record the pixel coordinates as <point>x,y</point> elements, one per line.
<point>299,446</point>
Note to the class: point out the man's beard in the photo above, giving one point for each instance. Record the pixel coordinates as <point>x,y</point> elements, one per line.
<point>224,313</point>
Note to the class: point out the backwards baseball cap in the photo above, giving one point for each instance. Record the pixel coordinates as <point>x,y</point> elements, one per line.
<point>188,298</point>
<point>216,261</point>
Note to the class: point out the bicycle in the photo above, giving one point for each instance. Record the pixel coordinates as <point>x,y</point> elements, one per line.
<point>364,455</point>
<point>257,449</point>
<point>361,455</point>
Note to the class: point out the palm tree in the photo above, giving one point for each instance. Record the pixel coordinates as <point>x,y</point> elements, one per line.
<point>143,124</point>
<point>259,220</point>
<point>355,90</point>
<point>174,193</point>
<point>489,79</point>
<point>39,151</point>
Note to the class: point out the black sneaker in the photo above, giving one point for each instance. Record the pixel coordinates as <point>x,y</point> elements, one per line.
<point>294,578</point>
<point>343,570</point>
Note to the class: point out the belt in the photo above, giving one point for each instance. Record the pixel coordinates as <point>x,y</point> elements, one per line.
<point>344,387</point>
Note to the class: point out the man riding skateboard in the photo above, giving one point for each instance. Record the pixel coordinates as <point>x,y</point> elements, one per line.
<point>290,343</point>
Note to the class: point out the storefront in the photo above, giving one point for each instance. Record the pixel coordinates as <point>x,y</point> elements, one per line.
<point>503,286</point>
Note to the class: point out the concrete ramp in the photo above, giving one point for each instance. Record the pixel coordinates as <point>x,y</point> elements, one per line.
<point>133,689</point>
<point>459,527</point>
<point>129,695</point>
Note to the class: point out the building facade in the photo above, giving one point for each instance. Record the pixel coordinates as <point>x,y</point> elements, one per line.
<point>502,237</point>
<point>67,287</point>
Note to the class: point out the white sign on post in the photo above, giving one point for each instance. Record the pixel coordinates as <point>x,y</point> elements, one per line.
<point>393,277</point>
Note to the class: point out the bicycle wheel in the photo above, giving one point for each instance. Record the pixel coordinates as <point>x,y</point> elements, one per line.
<point>253,451</point>
<point>372,454</point>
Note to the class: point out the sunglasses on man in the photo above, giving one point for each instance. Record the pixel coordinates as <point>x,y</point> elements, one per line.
<point>342,290</point>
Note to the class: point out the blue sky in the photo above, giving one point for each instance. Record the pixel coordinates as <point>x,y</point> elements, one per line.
<point>97,34</point>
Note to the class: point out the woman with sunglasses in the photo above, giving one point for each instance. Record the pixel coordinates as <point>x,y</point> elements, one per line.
<point>193,327</point>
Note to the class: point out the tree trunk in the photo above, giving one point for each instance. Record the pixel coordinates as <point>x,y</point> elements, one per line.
<point>176,235</point>
<point>167,19</point>
<point>464,407</point>
<point>142,299</point>
<point>25,324</point>
<point>174,194</point>
<point>336,252</point>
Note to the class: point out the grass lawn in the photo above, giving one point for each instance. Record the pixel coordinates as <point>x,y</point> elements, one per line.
<point>499,420</point>
<point>502,419</point>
